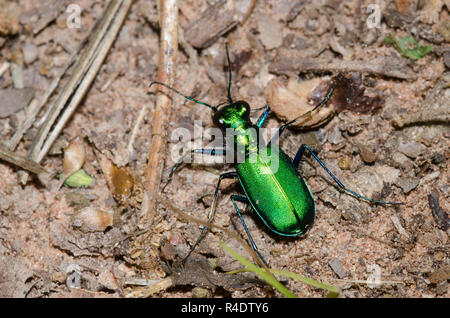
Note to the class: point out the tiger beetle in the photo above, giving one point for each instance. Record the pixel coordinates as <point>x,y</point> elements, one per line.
<point>280,197</point>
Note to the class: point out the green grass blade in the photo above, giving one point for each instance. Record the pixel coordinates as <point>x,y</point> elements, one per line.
<point>259,272</point>
<point>333,291</point>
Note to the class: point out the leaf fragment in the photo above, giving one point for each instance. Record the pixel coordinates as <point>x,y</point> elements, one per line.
<point>74,157</point>
<point>408,47</point>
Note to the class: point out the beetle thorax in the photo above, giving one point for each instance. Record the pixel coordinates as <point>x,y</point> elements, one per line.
<point>234,120</point>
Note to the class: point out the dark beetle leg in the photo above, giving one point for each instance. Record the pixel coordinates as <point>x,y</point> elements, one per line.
<point>212,152</point>
<point>298,157</point>
<point>226,175</point>
<point>243,199</point>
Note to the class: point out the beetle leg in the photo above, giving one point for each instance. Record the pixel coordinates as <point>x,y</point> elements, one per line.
<point>263,116</point>
<point>243,199</point>
<point>212,152</point>
<point>298,157</point>
<point>226,175</point>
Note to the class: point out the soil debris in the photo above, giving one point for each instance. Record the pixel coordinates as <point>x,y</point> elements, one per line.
<point>440,215</point>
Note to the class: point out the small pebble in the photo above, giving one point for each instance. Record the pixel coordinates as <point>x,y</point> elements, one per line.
<point>107,280</point>
<point>447,59</point>
<point>407,184</point>
<point>367,154</point>
<point>395,19</point>
<point>335,136</point>
<point>17,57</point>
<point>201,292</point>
<point>444,30</point>
<point>403,161</point>
<point>74,275</point>
<point>412,149</point>
<point>438,158</point>
<point>45,66</point>
<point>336,266</point>
<point>345,162</point>
<point>58,277</point>
<point>77,200</point>
<point>9,24</point>
<point>439,256</point>
<point>270,32</point>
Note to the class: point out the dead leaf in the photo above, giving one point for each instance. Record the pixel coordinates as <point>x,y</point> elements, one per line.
<point>439,275</point>
<point>74,157</point>
<point>92,219</point>
<point>119,180</point>
<point>349,94</point>
<point>297,98</point>
<point>13,100</point>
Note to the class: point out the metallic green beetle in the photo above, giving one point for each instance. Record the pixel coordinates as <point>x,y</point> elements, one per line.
<point>277,193</point>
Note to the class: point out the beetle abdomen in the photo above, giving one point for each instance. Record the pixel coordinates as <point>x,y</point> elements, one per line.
<point>278,194</point>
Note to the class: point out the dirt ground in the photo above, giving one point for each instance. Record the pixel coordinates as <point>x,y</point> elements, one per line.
<point>387,137</point>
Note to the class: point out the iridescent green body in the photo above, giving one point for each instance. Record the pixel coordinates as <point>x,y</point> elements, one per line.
<point>268,177</point>
<point>274,188</point>
<point>279,196</point>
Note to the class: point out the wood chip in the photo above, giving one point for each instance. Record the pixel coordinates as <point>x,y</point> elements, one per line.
<point>440,215</point>
<point>396,221</point>
<point>212,24</point>
<point>336,266</point>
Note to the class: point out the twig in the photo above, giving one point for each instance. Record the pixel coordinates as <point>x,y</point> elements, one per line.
<point>193,60</point>
<point>435,107</point>
<point>24,163</point>
<point>292,66</point>
<point>166,73</point>
<point>249,11</point>
<point>151,288</point>
<point>367,282</point>
<point>136,127</point>
<point>20,161</point>
<point>35,107</point>
<point>211,24</point>
<point>84,73</point>
<point>87,80</point>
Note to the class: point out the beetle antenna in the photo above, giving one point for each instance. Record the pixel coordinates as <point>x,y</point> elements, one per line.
<point>185,96</point>
<point>230,100</point>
